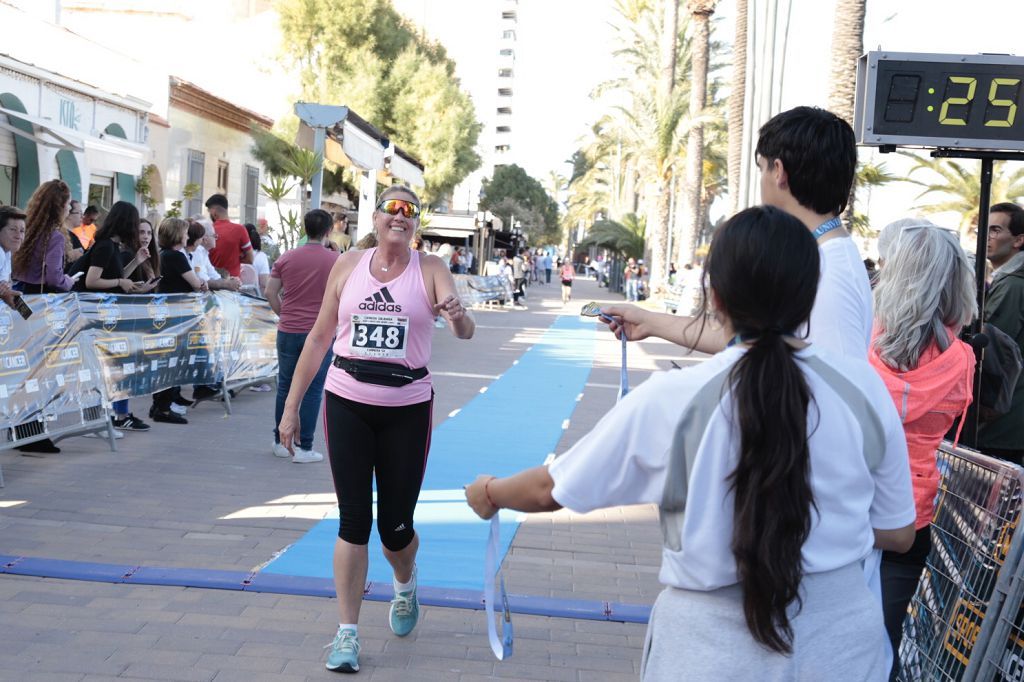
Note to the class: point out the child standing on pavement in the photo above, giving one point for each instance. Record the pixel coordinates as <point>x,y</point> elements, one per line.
<point>777,468</point>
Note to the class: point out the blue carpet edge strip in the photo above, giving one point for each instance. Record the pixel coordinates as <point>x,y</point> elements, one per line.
<point>241,581</point>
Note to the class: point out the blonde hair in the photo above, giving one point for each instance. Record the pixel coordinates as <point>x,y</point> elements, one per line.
<point>171,232</point>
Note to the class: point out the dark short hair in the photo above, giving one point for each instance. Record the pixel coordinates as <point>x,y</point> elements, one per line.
<point>10,213</point>
<point>196,231</point>
<point>318,223</point>
<point>818,151</point>
<point>1016,214</point>
<point>254,237</point>
<point>217,200</point>
<point>91,210</point>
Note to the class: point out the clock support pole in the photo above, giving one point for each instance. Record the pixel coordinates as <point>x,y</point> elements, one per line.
<point>974,334</point>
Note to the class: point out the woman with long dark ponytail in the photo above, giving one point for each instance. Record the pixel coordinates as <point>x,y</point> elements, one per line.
<point>777,469</point>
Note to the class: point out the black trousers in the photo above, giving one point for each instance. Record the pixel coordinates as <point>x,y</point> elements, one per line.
<point>900,575</point>
<point>390,443</point>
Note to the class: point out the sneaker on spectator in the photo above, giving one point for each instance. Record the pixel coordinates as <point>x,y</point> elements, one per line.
<point>280,450</point>
<point>261,388</point>
<point>344,655</point>
<point>306,456</point>
<point>167,417</point>
<point>204,393</point>
<point>179,409</point>
<point>129,423</point>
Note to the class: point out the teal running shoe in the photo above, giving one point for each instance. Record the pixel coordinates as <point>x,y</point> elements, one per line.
<point>344,655</point>
<point>405,612</point>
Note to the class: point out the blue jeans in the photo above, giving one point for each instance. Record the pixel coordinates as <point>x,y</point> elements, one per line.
<point>289,348</point>
<point>632,287</point>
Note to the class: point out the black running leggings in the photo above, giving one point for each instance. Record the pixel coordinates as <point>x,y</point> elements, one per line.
<point>391,442</point>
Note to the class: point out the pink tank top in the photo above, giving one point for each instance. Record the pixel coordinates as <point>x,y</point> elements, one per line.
<point>384,322</point>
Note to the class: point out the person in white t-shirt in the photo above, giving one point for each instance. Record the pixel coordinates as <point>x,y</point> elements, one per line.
<point>777,466</point>
<point>198,252</point>
<point>260,262</point>
<point>808,159</point>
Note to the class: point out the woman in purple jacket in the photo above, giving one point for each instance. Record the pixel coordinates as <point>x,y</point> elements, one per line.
<point>38,266</point>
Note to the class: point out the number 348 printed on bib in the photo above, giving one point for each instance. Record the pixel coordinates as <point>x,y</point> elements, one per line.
<point>378,336</point>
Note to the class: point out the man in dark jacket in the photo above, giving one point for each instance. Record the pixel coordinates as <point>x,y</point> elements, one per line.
<point>1004,308</point>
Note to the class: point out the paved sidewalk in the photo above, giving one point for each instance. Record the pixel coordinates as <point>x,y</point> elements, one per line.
<point>164,500</point>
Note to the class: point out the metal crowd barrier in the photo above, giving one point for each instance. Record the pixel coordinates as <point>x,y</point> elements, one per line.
<point>61,368</point>
<point>956,616</point>
<point>475,290</point>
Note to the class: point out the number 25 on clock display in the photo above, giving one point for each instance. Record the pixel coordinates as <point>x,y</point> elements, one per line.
<point>940,101</point>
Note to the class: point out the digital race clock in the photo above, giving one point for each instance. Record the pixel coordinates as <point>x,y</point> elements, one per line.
<point>940,100</point>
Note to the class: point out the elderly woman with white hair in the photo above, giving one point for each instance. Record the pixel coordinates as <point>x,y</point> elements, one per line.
<point>925,295</point>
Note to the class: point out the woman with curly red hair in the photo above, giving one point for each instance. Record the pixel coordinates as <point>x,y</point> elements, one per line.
<point>38,266</point>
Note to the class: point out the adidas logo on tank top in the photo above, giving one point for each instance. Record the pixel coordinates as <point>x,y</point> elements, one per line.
<point>381,302</point>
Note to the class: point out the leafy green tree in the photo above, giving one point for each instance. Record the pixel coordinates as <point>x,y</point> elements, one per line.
<point>363,54</point>
<point>513,183</point>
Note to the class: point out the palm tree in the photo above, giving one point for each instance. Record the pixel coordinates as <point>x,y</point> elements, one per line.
<point>960,185</point>
<point>700,13</point>
<point>847,47</point>
<point>737,95</point>
<point>625,238</point>
<point>869,175</point>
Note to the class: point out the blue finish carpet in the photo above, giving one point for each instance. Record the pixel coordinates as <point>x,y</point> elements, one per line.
<point>511,426</point>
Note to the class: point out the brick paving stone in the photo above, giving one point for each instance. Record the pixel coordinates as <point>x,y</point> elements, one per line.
<point>74,509</point>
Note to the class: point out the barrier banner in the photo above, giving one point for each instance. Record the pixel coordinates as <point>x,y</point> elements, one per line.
<point>474,289</point>
<point>145,343</point>
<point>46,366</point>
<point>976,513</point>
<point>252,351</point>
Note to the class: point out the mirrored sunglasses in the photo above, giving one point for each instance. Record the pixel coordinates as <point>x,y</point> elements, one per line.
<point>396,206</point>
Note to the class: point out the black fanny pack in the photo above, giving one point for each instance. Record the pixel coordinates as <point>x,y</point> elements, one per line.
<point>380,373</point>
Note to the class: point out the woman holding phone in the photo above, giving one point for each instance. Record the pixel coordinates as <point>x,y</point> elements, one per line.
<point>104,273</point>
<point>777,468</point>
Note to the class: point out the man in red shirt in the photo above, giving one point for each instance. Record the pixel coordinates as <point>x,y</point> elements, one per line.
<point>233,247</point>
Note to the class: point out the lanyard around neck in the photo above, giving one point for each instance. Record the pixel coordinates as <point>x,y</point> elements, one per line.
<point>826,227</point>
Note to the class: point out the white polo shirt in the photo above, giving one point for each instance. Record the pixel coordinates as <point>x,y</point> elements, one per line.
<point>626,459</point>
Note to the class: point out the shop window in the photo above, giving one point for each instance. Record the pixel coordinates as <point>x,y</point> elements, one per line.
<point>504,92</point>
<point>101,193</point>
<point>250,194</point>
<point>503,129</point>
<point>508,35</point>
<point>504,73</point>
<point>8,184</point>
<point>194,176</point>
<point>504,111</point>
<point>222,177</point>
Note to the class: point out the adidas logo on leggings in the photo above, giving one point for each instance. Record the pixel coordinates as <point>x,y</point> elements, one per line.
<point>381,302</point>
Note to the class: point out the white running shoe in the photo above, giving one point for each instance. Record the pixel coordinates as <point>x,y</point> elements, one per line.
<point>306,456</point>
<point>281,451</point>
<point>180,409</point>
